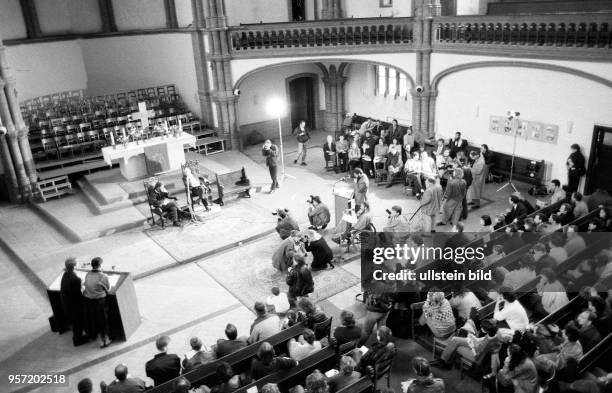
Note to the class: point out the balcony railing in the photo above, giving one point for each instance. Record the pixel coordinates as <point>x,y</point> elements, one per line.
<point>324,35</point>
<point>569,31</point>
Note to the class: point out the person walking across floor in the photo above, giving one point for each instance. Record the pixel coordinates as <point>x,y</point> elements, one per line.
<point>431,202</point>
<point>302,136</point>
<point>97,287</point>
<point>270,151</point>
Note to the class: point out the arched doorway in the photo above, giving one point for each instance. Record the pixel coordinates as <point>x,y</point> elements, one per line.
<point>301,93</point>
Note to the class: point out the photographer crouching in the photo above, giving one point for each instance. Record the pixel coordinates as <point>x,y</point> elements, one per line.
<point>322,255</point>
<point>318,213</point>
<point>285,223</point>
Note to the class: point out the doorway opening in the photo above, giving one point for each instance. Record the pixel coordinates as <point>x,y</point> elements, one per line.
<point>600,161</point>
<point>298,10</point>
<point>302,101</point>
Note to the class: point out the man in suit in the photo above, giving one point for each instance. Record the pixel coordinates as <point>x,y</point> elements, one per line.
<point>395,132</point>
<point>329,152</point>
<point>160,198</point>
<point>270,151</point>
<point>232,344</point>
<point>431,202</point>
<point>576,168</point>
<point>72,301</point>
<point>163,367</point>
<point>517,210</point>
<point>457,144</point>
<point>124,383</point>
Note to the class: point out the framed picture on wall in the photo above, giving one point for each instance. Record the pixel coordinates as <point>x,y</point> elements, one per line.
<point>551,133</point>
<point>496,125</point>
<point>535,131</point>
<point>522,130</point>
<point>508,127</point>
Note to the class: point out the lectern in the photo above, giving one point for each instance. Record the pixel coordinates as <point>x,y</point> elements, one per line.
<point>123,313</point>
<point>343,193</point>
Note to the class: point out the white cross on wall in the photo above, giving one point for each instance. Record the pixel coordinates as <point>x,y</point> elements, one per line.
<point>143,115</point>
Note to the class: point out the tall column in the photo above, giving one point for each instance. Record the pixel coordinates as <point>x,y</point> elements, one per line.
<point>334,81</point>
<point>30,17</point>
<point>171,19</point>
<point>222,91</point>
<point>21,129</point>
<point>331,9</point>
<point>9,170</point>
<point>107,15</point>
<point>422,43</point>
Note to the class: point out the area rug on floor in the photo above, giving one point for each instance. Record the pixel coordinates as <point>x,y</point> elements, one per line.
<point>248,274</point>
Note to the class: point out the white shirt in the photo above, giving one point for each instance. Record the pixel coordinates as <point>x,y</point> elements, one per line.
<point>299,351</point>
<point>280,302</point>
<point>513,313</point>
<point>553,296</point>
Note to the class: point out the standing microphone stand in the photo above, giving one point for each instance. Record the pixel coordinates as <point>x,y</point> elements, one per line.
<point>514,128</point>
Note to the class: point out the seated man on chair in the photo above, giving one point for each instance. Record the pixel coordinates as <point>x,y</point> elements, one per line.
<point>160,199</point>
<point>329,152</point>
<point>198,187</point>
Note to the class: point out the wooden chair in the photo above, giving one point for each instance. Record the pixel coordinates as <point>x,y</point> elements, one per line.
<point>383,368</point>
<point>149,185</point>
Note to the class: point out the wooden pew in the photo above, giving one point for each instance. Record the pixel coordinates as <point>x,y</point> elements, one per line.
<point>239,360</point>
<point>235,182</point>
<point>322,360</point>
<point>599,351</point>
<point>362,385</point>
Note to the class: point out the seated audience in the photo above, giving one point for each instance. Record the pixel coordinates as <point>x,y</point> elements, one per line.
<point>163,367</point>
<point>346,375</point>
<point>568,349</point>
<point>413,170</point>
<point>329,151</point>
<point>313,313</point>
<point>565,214</point>
<point>517,211</point>
<point>318,213</point>
<point>428,166</point>
<point>552,292</point>
<point>265,324</point>
<point>575,243</point>
<point>381,150</point>
<point>270,388</point>
<point>554,223</point>
<point>558,194</point>
<point>472,347</point>
<point>438,315</point>
<point>556,243</point>
<point>342,149</point>
<point>393,166</point>
<point>347,331</point>
<point>304,346</point>
<point>525,272</point>
<point>518,371</point>
<point>464,301</point>
<point>354,156</point>
<point>509,310</point>
<point>278,301</point>
<point>124,383</point>
<point>285,223</point>
<point>541,258</point>
<point>196,357</point>
<point>605,221</point>
<point>232,344</point>
<point>424,382</point>
<point>580,207</point>
<point>228,382</point>
<point>266,362</point>
<point>603,320</point>
<point>589,335</point>
<point>381,350</point>
<point>159,198</point>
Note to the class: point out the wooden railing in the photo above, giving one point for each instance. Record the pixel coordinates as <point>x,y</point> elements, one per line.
<point>570,30</point>
<point>325,34</point>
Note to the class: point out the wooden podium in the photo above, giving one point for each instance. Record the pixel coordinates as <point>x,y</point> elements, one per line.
<point>123,313</point>
<point>343,193</point>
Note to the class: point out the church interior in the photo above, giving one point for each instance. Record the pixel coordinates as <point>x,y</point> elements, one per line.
<point>190,191</point>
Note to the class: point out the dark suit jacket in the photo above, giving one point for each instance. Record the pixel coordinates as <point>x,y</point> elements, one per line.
<point>225,347</point>
<point>129,385</point>
<point>344,334</point>
<point>70,290</point>
<point>327,148</point>
<point>339,381</point>
<point>455,147</point>
<point>519,211</point>
<point>163,367</point>
<point>259,369</point>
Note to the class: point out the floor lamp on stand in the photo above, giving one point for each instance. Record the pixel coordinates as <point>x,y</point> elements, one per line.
<point>277,107</point>
<point>513,121</point>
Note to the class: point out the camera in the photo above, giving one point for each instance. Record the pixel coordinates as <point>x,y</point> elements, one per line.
<point>388,211</point>
<point>419,89</point>
<point>310,200</point>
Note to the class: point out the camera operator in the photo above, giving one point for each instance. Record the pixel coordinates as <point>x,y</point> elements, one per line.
<point>285,223</point>
<point>282,259</point>
<point>322,255</point>
<point>271,152</point>
<point>397,223</point>
<point>318,213</point>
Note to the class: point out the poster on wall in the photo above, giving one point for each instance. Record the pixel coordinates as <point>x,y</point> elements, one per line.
<point>536,131</point>
<point>551,133</point>
<point>522,130</point>
<point>509,127</point>
<point>496,124</point>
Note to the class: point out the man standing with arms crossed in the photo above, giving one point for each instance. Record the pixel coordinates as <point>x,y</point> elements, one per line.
<point>302,136</point>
